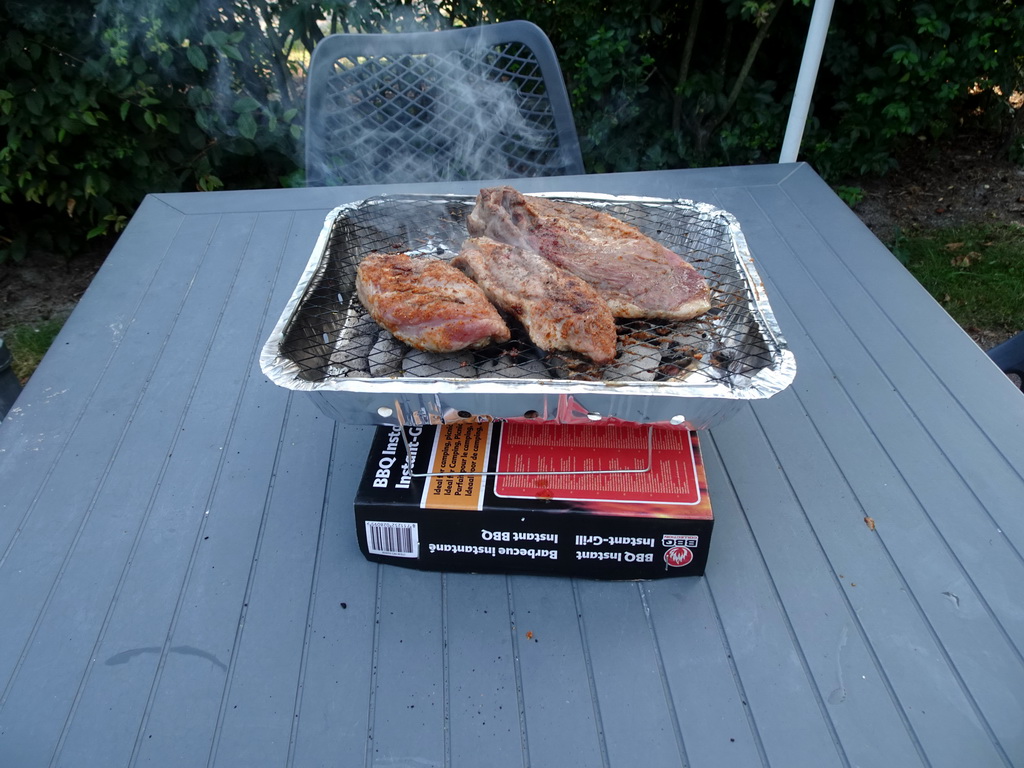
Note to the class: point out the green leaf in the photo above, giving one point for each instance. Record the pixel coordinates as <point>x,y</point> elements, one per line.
<point>125,106</point>
<point>209,182</point>
<point>216,38</point>
<point>296,132</point>
<point>198,97</point>
<point>120,80</point>
<point>245,104</point>
<point>90,119</point>
<point>92,70</point>
<point>197,58</point>
<point>150,119</point>
<point>34,102</point>
<point>203,121</point>
<point>247,126</point>
<point>171,121</point>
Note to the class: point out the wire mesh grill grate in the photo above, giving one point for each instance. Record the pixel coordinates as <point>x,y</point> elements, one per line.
<point>331,336</point>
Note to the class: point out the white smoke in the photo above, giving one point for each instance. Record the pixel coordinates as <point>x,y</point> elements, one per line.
<point>423,118</point>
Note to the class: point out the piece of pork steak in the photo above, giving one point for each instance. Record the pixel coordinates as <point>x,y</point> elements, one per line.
<point>559,310</point>
<point>636,275</point>
<point>426,303</point>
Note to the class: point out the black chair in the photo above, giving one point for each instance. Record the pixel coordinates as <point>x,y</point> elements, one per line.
<point>10,388</point>
<point>471,103</point>
<point>1009,356</point>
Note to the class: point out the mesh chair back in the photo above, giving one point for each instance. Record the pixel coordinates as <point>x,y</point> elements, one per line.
<point>483,102</point>
<point>1009,356</point>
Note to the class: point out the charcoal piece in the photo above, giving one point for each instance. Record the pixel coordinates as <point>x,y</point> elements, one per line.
<point>689,340</point>
<point>419,363</point>
<point>351,352</point>
<point>509,367</point>
<point>386,356</point>
<point>573,368</point>
<point>636,362</point>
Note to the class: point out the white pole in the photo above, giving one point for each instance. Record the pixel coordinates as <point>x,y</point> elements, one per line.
<point>820,17</point>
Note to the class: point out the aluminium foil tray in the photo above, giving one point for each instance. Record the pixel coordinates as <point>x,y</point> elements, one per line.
<point>693,373</point>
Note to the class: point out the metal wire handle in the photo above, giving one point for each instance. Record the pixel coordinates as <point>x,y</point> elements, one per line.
<point>638,471</point>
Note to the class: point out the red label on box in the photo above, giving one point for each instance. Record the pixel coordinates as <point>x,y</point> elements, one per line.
<point>583,456</point>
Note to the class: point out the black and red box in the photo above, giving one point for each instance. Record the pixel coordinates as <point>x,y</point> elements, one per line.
<point>624,501</point>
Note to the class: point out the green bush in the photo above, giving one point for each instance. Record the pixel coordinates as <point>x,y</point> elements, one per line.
<point>71,154</point>
<point>107,100</point>
<point>709,82</point>
<point>104,104</point>
<point>895,72</point>
<point>668,85</point>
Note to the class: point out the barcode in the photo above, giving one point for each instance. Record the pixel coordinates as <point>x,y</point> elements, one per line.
<point>395,539</point>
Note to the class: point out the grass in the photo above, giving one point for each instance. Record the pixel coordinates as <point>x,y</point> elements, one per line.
<point>28,344</point>
<point>976,272</point>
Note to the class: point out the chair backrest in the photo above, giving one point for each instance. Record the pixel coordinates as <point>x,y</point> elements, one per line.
<point>10,387</point>
<point>1009,356</point>
<point>471,103</point>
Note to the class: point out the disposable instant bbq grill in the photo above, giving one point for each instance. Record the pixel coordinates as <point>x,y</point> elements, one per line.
<point>693,373</point>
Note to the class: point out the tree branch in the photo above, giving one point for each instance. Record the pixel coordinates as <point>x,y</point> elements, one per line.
<point>748,63</point>
<point>278,55</point>
<point>684,65</point>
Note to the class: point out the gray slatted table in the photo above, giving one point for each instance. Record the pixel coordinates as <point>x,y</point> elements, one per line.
<point>180,583</point>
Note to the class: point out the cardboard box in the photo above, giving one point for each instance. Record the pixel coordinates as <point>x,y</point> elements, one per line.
<point>552,508</point>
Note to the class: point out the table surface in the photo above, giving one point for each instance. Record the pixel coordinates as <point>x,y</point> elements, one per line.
<point>180,583</point>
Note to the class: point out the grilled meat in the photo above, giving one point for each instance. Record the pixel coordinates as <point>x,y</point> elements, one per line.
<point>427,304</point>
<point>559,310</point>
<point>637,276</point>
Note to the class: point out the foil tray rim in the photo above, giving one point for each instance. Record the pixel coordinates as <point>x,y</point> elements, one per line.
<point>766,383</point>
